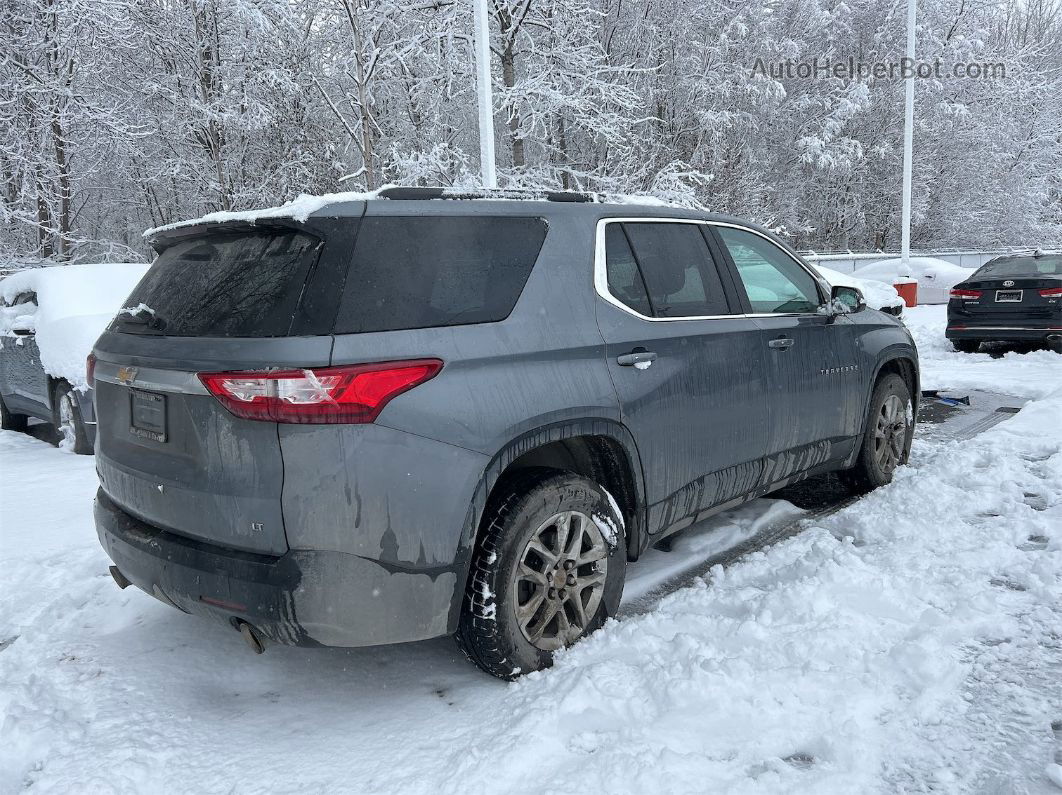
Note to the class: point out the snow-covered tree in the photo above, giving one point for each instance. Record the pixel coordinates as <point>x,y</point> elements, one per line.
<point>116,115</point>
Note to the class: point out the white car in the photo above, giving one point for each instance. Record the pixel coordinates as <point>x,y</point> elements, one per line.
<point>878,295</point>
<point>935,277</point>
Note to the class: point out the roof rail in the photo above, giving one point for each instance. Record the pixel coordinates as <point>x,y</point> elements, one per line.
<point>400,193</point>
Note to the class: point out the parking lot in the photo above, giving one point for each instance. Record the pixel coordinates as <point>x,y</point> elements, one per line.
<point>910,636</point>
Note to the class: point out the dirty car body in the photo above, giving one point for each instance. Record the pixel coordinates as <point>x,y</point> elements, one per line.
<point>536,349</point>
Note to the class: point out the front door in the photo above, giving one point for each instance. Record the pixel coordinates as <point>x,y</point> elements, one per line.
<point>687,368</point>
<point>811,366</point>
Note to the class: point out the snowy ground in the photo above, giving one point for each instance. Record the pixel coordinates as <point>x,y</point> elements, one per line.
<point>910,642</point>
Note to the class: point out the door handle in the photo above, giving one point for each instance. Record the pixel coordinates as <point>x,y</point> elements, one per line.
<point>639,356</point>
<point>781,343</point>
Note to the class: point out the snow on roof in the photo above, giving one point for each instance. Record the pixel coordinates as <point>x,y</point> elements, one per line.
<point>302,207</point>
<point>299,209</point>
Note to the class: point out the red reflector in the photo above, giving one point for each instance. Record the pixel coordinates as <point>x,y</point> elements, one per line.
<point>966,295</point>
<point>234,606</point>
<point>1052,292</point>
<point>90,370</point>
<point>354,393</point>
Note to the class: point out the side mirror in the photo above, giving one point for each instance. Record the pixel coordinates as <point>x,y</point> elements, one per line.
<point>850,298</point>
<point>20,331</point>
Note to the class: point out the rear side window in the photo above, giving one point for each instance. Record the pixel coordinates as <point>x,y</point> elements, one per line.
<point>421,272</point>
<point>677,268</point>
<point>624,280</point>
<point>244,284</point>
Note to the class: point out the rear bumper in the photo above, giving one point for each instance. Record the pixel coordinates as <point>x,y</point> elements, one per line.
<point>996,331</point>
<point>302,598</point>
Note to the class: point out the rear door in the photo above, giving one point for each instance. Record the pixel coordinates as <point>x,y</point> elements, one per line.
<point>811,365</point>
<point>167,451</point>
<point>687,369</point>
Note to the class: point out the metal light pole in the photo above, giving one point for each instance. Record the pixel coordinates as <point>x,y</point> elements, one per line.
<point>486,102</point>
<point>908,141</point>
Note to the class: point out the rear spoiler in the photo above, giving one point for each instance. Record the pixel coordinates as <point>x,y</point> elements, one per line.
<point>165,237</point>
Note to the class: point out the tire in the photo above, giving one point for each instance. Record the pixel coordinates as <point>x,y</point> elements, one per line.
<point>11,422</point>
<point>519,537</point>
<point>887,437</point>
<point>66,416</point>
<point>966,346</point>
<point>1055,345</point>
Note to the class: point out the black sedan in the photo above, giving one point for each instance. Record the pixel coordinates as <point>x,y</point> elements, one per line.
<point>1016,298</point>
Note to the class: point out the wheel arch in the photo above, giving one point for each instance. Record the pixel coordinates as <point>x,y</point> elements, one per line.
<point>899,361</point>
<point>54,382</point>
<point>903,365</point>
<point>602,450</point>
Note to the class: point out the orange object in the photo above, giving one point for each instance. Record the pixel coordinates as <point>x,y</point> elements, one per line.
<point>908,292</point>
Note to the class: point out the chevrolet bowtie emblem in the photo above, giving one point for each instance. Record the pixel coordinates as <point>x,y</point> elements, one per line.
<point>127,375</point>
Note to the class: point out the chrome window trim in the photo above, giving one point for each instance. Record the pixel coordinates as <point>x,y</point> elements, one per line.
<point>601,269</point>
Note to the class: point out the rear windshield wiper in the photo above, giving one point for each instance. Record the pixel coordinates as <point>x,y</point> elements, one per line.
<point>140,315</point>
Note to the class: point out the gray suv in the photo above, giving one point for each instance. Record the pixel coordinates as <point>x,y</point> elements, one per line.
<point>429,413</point>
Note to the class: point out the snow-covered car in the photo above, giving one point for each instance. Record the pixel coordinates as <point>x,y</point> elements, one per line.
<point>49,319</point>
<point>935,277</point>
<point>878,295</point>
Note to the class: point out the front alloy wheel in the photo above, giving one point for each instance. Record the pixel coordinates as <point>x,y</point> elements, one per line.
<point>890,434</point>
<point>886,442</point>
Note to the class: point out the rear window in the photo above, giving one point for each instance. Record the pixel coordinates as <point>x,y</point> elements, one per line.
<point>420,272</point>
<point>1021,266</point>
<point>240,284</point>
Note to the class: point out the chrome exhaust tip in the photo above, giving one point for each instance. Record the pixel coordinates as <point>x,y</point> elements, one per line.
<point>251,636</point>
<point>120,579</point>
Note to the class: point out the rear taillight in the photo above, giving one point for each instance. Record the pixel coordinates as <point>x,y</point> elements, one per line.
<point>966,295</point>
<point>1051,292</point>
<point>90,370</point>
<point>348,394</point>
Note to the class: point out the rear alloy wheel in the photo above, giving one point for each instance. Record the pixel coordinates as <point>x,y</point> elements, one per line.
<point>560,580</point>
<point>548,570</point>
<point>68,421</point>
<point>9,421</point>
<point>887,438</point>
<point>966,346</point>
